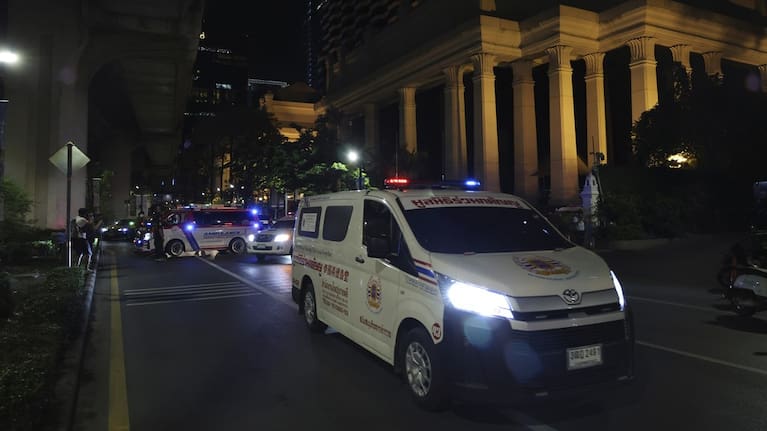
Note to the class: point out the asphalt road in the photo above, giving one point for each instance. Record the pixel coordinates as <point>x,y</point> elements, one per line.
<point>216,344</point>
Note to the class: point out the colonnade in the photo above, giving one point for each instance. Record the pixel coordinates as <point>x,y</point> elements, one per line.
<point>563,155</point>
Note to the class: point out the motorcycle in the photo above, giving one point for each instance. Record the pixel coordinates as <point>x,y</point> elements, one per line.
<point>743,275</point>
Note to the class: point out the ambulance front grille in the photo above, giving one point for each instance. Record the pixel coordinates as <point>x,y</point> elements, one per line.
<point>534,316</point>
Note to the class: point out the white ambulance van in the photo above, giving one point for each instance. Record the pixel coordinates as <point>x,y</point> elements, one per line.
<point>471,295</point>
<point>194,230</point>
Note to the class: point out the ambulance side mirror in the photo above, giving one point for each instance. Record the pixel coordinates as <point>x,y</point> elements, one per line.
<point>378,247</point>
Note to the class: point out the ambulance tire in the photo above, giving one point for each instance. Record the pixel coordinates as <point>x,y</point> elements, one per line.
<point>309,301</point>
<point>174,248</point>
<point>424,370</point>
<point>238,246</point>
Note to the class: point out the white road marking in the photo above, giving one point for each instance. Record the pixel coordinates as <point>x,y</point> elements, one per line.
<point>673,304</point>
<point>186,286</point>
<point>279,297</point>
<point>243,289</point>
<point>703,358</point>
<point>208,298</point>
<point>529,422</point>
<point>146,292</point>
<point>520,417</point>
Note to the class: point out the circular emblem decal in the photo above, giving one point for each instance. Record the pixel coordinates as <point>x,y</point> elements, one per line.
<point>543,266</point>
<point>436,331</point>
<point>374,295</point>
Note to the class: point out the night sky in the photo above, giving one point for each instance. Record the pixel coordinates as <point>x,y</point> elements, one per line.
<point>269,33</point>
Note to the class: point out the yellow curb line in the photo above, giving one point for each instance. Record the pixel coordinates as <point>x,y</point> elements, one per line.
<point>118,394</point>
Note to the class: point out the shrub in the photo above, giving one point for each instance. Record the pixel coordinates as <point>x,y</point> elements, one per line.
<point>44,320</point>
<point>6,303</point>
<point>15,201</point>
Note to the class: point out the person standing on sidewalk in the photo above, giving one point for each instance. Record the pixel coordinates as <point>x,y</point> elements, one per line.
<point>157,234</point>
<point>82,247</point>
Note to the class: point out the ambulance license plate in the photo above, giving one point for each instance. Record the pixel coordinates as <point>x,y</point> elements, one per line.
<point>584,357</point>
<point>261,246</point>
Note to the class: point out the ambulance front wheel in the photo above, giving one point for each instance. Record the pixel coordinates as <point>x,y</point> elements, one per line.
<point>238,246</point>
<point>424,370</point>
<point>174,248</point>
<point>310,310</point>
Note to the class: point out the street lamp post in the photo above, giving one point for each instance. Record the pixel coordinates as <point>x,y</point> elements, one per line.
<point>10,58</point>
<point>353,156</point>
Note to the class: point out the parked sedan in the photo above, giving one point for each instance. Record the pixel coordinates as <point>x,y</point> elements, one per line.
<point>277,240</point>
<point>123,229</point>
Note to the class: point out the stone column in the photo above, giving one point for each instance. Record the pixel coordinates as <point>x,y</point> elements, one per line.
<point>713,62</point>
<point>342,129</point>
<point>763,76</point>
<point>486,167</point>
<point>408,136</point>
<point>644,81</point>
<point>564,157</point>
<point>681,55</point>
<point>525,133</point>
<point>455,124</point>
<point>596,128</point>
<point>371,128</point>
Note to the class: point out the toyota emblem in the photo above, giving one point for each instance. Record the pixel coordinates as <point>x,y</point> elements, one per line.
<point>571,296</point>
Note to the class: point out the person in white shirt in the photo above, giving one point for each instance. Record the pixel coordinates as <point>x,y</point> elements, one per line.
<point>80,243</point>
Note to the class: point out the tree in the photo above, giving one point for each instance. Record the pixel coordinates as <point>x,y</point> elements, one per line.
<point>17,204</point>
<point>253,146</point>
<point>718,128</point>
<point>312,163</point>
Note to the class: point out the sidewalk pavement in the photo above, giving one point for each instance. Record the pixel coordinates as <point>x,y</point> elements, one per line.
<point>68,384</point>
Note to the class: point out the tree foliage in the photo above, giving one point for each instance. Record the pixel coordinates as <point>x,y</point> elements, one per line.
<point>719,128</point>
<point>261,158</point>
<point>16,203</point>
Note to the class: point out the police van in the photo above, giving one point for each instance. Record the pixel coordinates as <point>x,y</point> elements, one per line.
<point>471,295</point>
<point>195,230</point>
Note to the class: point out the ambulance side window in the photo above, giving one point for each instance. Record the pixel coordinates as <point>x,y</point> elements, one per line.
<point>379,223</point>
<point>173,219</point>
<point>336,222</point>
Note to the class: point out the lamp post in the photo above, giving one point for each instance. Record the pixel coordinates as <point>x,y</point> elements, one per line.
<point>353,156</point>
<point>9,58</point>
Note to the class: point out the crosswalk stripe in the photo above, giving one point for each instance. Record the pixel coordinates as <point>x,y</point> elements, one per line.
<point>130,293</point>
<point>242,289</point>
<point>188,286</point>
<point>208,298</point>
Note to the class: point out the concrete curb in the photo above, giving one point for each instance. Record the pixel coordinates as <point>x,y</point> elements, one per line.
<point>68,383</point>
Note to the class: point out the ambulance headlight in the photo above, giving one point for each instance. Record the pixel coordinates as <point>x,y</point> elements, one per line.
<point>282,237</point>
<point>618,290</point>
<point>475,299</point>
<point>251,238</point>
<point>104,229</point>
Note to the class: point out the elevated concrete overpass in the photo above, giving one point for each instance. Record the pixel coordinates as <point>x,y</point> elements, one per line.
<point>112,76</point>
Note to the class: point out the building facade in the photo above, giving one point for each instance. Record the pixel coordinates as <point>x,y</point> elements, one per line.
<point>552,60</point>
<point>112,77</point>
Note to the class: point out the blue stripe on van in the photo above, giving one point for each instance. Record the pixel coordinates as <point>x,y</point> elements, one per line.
<point>192,241</point>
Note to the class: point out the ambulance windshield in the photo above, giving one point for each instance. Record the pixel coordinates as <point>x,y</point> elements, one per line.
<point>477,229</point>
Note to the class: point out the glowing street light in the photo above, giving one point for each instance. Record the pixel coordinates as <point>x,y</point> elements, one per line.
<point>8,57</point>
<point>353,156</point>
